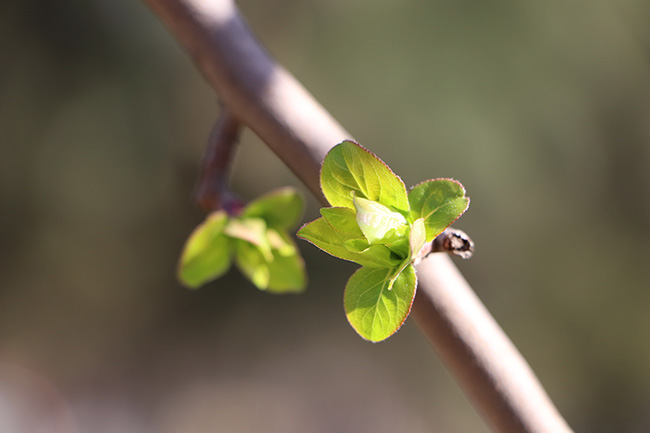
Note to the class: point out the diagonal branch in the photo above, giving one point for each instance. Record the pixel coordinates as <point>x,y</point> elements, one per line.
<point>260,93</point>
<point>267,99</point>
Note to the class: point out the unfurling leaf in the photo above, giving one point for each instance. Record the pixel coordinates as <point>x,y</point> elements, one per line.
<point>376,220</point>
<point>417,237</point>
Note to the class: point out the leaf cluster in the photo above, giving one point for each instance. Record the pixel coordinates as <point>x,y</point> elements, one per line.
<point>374,222</point>
<point>257,240</point>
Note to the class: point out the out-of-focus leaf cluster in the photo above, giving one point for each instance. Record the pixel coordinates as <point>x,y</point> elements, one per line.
<point>257,240</point>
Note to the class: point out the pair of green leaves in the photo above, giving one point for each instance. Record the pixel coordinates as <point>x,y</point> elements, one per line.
<point>257,240</point>
<point>375,223</point>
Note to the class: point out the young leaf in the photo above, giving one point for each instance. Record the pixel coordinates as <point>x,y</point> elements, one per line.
<point>344,220</point>
<point>251,230</point>
<point>351,169</point>
<point>398,242</point>
<point>284,272</point>
<point>206,254</point>
<point>339,244</point>
<point>252,263</point>
<point>439,202</point>
<point>380,255</point>
<point>375,220</point>
<point>287,273</point>
<point>281,242</point>
<point>375,312</point>
<point>287,270</point>
<point>417,237</point>
<point>281,208</point>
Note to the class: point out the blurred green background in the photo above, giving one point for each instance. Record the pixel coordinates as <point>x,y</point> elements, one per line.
<point>542,110</point>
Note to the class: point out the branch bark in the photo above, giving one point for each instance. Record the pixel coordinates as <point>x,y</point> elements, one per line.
<point>213,189</point>
<point>267,99</point>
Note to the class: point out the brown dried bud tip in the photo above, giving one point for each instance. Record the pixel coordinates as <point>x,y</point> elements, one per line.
<point>455,242</point>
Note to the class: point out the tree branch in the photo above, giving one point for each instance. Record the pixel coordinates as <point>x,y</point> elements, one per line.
<point>213,190</point>
<point>267,99</point>
<point>260,93</point>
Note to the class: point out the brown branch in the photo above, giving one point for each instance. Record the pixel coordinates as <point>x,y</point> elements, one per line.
<point>260,93</point>
<point>264,97</point>
<point>213,191</point>
<point>451,241</point>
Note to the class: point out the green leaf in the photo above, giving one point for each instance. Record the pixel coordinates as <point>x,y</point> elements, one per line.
<point>376,220</point>
<point>351,169</point>
<point>343,220</point>
<point>251,230</point>
<point>439,202</point>
<point>281,242</point>
<point>398,242</point>
<point>287,272</point>
<point>334,242</point>
<point>373,310</point>
<point>417,237</point>
<point>252,263</point>
<point>206,254</point>
<point>380,256</point>
<point>281,208</point>
<point>283,272</point>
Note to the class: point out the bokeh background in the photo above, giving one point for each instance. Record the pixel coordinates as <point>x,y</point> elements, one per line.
<point>542,110</point>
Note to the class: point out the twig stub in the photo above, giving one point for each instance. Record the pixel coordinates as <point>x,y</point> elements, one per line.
<point>455,242</point>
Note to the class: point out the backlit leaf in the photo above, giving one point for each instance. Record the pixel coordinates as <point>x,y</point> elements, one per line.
<point>281,242</point>
<point>252,263</point>
<point>417,237</point>
<point>344,220</point>
<point>375,220</point>
<point>350,169</point>
<point>324,236</point>
<point>439,203</point>
<point>206,254</point>
<point>251,230</point>
<point>373,310</point>
<point>287,272</point>
<point>281,208</point>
